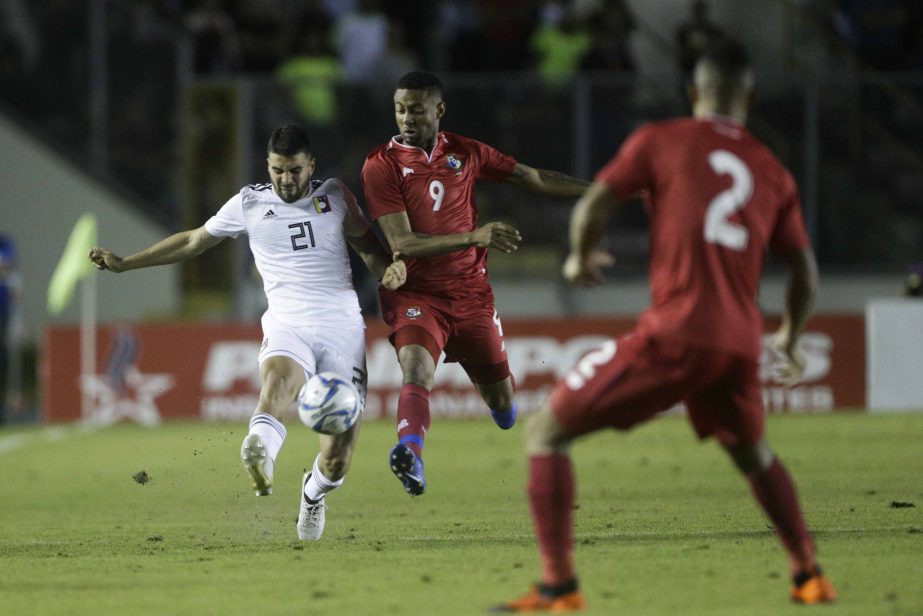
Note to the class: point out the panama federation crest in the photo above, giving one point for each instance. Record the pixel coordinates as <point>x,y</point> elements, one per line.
<point>413,312</point>
<point>453,162</point>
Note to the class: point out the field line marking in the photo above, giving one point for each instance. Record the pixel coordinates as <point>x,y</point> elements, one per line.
<point>49,435</point>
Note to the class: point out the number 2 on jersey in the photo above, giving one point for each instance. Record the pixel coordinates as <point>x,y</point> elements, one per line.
<point>437,192</point>
<point>718,229</point>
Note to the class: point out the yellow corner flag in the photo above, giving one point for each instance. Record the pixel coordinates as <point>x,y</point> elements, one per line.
<point>74,264</point>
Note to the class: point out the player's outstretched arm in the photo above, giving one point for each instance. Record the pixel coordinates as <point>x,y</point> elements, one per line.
<point>405,242</point>
<point>547,182</point>
<point>587,223</point>
<point>392,274</point>
<point>799,300</point>
<point>177,247</point>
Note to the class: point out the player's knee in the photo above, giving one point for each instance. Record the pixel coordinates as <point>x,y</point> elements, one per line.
<point>280,383</point>
<point>544,434</point>
<point>278,388</point>
<point>750,457</point>
<point>417,373</point>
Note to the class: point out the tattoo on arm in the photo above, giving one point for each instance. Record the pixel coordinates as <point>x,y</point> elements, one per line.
<point>520,172</point>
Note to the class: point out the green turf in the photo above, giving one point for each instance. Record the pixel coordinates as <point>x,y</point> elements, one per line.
<point>664,525</point>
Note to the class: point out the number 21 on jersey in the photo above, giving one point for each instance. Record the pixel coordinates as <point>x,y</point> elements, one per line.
<point>718,229</point>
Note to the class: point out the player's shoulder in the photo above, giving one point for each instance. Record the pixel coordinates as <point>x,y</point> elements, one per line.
<point>253,194</point>
<point>330,186</point>
<point>382,154</point>
<point>669,128</point>
<point>454,140</point>
<point>325,184</point>
<point>262,188</point>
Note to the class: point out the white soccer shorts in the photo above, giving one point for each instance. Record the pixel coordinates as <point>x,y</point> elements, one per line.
<point>339,349</point>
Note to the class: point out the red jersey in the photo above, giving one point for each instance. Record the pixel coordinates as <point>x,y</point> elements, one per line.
<point>437,192</point>
<point>717,198</point>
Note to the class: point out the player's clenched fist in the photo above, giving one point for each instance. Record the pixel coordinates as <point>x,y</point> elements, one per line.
<point>497,235</point>
<point>105,259</point>
<point>395,275</point>
<point>586,271</point>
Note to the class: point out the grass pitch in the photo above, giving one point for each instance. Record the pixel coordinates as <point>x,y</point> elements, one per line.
<point>664,525</point>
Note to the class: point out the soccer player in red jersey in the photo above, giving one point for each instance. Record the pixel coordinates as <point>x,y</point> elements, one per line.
<point>717,200</point>
<point>420,188</point>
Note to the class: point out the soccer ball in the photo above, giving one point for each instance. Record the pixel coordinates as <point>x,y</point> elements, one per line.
<point>329,403</point>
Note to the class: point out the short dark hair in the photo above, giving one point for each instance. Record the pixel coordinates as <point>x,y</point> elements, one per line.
<point>729,59</point>
<point>420,80</point>
<point>289,140</point>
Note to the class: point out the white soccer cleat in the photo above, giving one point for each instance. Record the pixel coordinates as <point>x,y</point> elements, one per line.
<point>257,463</point>
<point>311,517</point>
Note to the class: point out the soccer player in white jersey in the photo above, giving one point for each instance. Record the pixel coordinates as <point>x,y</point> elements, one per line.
<point>298,230</point>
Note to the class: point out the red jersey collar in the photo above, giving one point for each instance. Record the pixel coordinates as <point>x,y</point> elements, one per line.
<point>723,119</point>
<point>440,139</point>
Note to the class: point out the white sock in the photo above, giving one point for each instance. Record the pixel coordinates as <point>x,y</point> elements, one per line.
<point>270,430</point>
<point>318,484</point>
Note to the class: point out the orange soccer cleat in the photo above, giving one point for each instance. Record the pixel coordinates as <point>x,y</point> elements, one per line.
<point>813,587</point>
<point>536,601</point>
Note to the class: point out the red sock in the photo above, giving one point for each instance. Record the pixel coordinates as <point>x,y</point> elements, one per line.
<point>551,496</point>
<point>775,492</point>
<point>413,417</point>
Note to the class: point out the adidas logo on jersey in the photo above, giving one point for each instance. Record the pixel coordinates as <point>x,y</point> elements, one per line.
<point>269,214</point>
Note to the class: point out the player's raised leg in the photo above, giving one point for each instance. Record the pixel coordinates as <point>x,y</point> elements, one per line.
<point>327,474</point>
<point>774,490</point>
<point>479,347</point>
<point>551,500</point>
<point>413,417</point>
<point>499,399</point>
<point>281,378</point>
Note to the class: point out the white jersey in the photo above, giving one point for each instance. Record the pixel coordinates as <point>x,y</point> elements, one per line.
<point>299,249</point>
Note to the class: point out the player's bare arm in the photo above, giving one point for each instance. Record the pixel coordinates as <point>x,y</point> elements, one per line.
<point>547,182</point>
<point>359,234</point>
<point>392,274</point>
<point>177,247</point>
<point>587,223</point>
<point>799,299</point>
<point>405,242</point>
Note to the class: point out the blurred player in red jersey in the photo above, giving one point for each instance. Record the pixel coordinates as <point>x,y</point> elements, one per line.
<point>717,200</point>
<point>420,188</point>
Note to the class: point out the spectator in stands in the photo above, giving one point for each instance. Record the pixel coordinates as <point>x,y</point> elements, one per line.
<point>507,26</point>
<point>398,59</point>
<point>313,72</point>
<point>362,41</point>
<point>611,28</point>
<point>216,47</point>
<point>263,37</point>
<point>417,22</point>
<point>559,46</point>
<point>461,31</point>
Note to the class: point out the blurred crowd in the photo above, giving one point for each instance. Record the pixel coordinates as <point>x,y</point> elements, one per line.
<point>331,61</point>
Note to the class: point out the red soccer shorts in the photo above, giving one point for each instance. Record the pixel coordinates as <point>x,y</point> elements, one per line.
<point>628,381</point>
<point>468,331</point>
